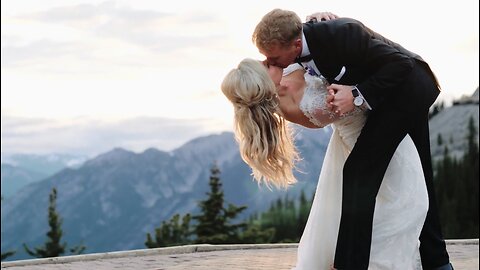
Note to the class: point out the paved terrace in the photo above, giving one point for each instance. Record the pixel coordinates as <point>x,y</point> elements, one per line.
<point>463,254</point>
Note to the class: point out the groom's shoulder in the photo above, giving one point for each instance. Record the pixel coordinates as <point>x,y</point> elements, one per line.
<point>332,25</point>
<point>344,22</point>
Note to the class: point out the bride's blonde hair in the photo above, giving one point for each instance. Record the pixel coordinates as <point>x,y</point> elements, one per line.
<point>265,139</point>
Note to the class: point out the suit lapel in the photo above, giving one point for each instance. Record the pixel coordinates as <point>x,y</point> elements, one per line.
<point>325,62</point>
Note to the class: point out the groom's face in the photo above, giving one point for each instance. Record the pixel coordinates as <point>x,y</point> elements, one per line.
<point>282,56</point>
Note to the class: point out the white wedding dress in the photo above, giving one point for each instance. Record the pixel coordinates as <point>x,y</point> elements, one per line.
<point>401,203</point>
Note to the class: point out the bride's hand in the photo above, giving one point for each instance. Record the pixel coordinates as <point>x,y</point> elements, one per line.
<point>329,100</point>
<point>343,100</point>
<point>321,16</point>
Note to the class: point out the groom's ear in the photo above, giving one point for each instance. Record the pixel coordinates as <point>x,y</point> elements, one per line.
<point>298,43</point>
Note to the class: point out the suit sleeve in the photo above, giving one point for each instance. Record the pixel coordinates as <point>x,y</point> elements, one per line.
<point>359,46</point>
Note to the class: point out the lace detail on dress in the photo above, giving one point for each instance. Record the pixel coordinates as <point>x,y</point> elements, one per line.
<point>314,105</point>
<point>313,100</point>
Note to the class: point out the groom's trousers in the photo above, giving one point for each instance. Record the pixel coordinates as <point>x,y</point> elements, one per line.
<point>404,111</point>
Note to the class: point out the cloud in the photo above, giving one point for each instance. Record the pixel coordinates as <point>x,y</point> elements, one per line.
<point>149,28</point>
<point>85,13</point>
<point>44,49</point>
<point>90,137</point>
<point>105,34</point>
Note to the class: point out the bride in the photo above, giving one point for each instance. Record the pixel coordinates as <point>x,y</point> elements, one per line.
<point>264,99</point>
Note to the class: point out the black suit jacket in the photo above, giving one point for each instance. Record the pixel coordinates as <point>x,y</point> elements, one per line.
<point>377,65</point>
<point>400,88</point>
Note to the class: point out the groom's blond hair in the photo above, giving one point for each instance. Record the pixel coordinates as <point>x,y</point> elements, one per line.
<point>278,27</point>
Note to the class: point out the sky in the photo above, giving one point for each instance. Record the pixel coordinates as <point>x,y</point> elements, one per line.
<point>82,77</point>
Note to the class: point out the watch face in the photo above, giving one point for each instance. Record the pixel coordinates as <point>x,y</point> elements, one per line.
<point>358,101</point>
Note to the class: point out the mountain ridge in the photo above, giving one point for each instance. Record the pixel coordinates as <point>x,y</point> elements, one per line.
<point>112,200</point>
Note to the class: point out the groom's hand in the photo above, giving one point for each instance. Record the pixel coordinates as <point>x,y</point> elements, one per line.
<point>342,102</point>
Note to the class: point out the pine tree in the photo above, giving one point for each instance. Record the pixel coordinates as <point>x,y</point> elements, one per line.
<point>303,212</point>
<point>288,221</point>
<point>285,218</point>
<point>439,139</point>
<point>8,253</point>
<point>171,233</point>
<point>214,222</point>
<point>469,210</point>
<point>457,189</point>
<point>53,247</point>
<point>255,234</point>
<point>436,108</point>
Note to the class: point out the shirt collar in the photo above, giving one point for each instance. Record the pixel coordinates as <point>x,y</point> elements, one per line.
<point>305,50</point>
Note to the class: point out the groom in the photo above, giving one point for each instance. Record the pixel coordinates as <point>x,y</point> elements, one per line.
<point>368,71</point>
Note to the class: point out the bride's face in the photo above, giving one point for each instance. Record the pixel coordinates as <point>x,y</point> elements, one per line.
<point>274,72</point>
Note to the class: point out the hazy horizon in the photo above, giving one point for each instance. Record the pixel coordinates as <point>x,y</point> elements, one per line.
<point>87,76</point>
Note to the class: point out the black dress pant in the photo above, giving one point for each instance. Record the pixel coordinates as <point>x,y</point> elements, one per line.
<point>404,111</point>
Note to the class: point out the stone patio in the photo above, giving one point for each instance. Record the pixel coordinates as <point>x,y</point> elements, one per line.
<point>463,255</point>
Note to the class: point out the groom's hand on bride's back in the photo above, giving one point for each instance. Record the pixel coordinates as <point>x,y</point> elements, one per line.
<point>321,16</point>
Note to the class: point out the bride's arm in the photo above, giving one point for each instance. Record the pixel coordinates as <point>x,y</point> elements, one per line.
<point>294,115</point>
<point>290,92</point>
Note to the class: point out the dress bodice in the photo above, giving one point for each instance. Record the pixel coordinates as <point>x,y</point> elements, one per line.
<point>314,107</point>
<point>313,103</point>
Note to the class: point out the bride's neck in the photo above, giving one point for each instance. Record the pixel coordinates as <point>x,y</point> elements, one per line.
<point>292,85</point>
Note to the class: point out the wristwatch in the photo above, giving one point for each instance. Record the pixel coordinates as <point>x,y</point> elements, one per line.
<point>357,99</point>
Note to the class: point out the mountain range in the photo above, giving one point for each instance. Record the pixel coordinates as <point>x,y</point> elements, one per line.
<point>111,201</point>
<point>114,199</point>
<point>19,170</point>
<point>451,124</point>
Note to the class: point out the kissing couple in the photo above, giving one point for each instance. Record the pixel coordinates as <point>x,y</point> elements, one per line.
<point>374,206</point>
